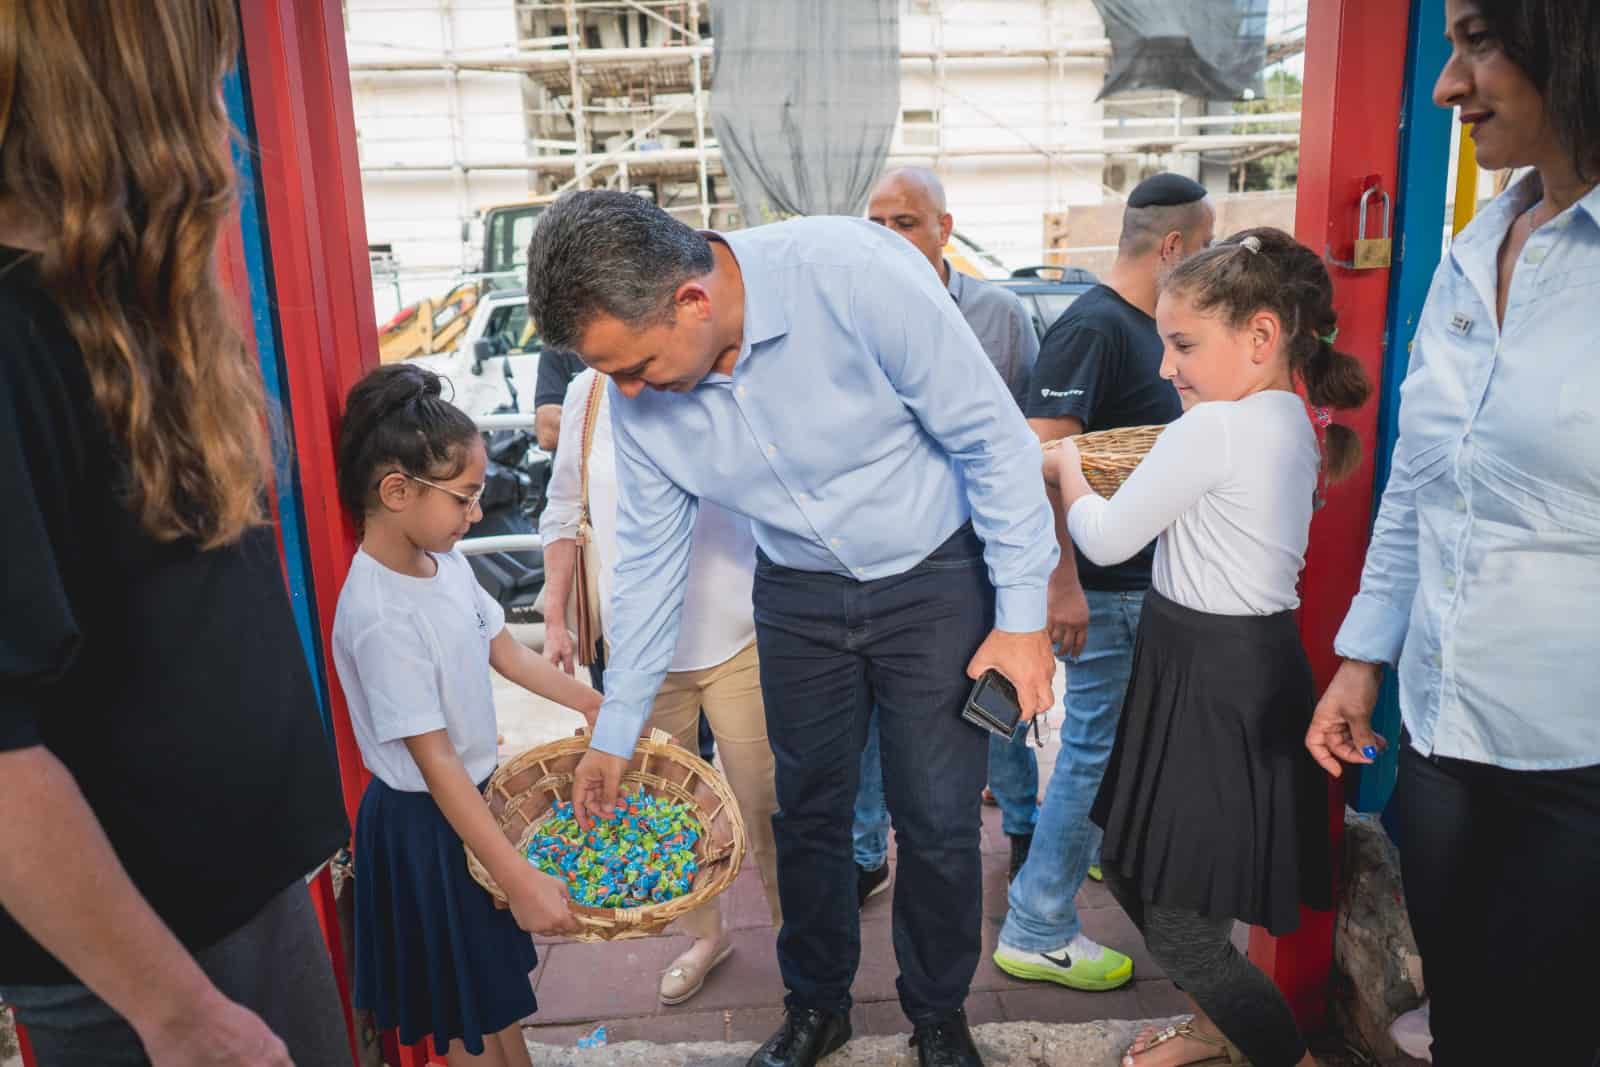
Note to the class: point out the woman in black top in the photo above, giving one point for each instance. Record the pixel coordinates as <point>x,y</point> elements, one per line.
<point>164,778</point>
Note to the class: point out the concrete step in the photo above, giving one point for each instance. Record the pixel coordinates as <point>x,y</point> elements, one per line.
<point>1023,1044</point>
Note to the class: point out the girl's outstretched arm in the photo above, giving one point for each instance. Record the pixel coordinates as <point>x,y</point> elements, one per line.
<point>515,661</point>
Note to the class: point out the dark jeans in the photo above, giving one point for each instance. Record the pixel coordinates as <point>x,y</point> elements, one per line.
<point>1196,951</point>
<point>830,647</point>
<point>276,965</point>
<point>1502,879</point>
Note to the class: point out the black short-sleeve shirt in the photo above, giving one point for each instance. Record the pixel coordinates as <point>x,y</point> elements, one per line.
<point>1100,363</point>
<point>168,680</point>
<point>557,368</point>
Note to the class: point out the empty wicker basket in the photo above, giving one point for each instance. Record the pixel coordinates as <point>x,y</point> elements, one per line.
<point>1109,456</point>
<point>522,792</point>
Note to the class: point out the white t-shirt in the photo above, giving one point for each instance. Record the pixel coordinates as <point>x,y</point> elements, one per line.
<point>413,657</point>
<point>718,617</point>
<point>1229,488</point>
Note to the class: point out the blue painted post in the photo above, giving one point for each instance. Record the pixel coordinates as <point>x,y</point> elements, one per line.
<point>263,328</point>
<point>1419,242</point>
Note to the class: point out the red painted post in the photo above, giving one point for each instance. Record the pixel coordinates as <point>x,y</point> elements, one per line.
<point>299,84</point>
<point>327,908</point>
<point>323,298</point>
<point>28,1059</point>
<point>1349,134</point>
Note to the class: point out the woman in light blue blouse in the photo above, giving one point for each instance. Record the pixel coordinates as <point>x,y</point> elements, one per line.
<point>1482,582</point>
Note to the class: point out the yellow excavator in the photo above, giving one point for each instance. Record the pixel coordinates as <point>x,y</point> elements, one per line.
<point>434,324</point>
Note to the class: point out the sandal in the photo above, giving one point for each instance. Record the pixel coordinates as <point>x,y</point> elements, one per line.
<point>683,980</point>
<point>1231,1056</point>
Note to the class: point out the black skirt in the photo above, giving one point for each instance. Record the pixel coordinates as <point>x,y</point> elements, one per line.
<point>434,956</point>
<point>1210,801</point>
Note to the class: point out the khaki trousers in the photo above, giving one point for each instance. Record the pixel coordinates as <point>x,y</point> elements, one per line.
<point>730,692</point>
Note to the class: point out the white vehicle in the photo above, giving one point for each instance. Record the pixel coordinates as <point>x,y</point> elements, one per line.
<point>499,337</point>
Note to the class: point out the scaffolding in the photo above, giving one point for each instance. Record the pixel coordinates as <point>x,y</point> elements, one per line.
<point>616,94</point>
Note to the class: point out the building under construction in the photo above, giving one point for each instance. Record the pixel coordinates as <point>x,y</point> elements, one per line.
<point>463,104</point>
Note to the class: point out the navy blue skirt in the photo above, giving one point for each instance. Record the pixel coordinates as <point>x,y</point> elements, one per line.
<point>434,956</point>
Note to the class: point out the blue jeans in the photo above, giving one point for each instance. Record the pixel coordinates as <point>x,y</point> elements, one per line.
<point>831,649</point>
<point>1043,915</point>
<point>871,831</point>
<point>1013,779</point>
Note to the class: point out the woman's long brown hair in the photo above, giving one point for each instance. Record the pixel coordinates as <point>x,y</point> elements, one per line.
<point>114,143</point>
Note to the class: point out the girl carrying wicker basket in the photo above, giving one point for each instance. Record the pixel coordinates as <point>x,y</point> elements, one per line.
<point>1213,811</point>
<point>413,640</point>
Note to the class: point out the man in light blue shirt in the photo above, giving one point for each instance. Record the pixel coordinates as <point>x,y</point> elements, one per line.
<point>814,376</point>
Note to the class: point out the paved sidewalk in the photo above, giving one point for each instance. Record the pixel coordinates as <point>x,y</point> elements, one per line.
<point>581,986</point>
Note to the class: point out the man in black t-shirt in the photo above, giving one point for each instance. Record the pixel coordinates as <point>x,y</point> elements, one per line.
<point>557,368</point>
<point>1099,368</point>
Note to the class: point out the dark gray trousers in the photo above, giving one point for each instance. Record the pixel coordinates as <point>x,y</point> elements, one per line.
<point>276,965</point>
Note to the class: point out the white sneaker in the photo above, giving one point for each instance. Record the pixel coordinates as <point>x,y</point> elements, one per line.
<point>1413,1033</point>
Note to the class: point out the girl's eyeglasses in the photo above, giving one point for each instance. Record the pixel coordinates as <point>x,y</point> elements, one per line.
<point>468,500</point>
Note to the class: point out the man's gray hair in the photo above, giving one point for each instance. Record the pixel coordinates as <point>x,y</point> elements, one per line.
<point>602,252</point>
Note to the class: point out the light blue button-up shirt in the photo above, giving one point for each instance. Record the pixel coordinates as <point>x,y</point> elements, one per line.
<point>1483,577</point>
<point>862,425</point>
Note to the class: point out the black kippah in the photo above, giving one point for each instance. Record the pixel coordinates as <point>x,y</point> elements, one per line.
<point>1166,190</point>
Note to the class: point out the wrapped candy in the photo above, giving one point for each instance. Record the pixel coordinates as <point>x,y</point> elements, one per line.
<point>642,854</point>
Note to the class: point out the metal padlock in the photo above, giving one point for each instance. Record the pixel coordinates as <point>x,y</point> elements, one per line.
<point>1372,253</point>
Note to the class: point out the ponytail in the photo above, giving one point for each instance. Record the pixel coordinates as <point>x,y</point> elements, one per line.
<point>1334,379</point>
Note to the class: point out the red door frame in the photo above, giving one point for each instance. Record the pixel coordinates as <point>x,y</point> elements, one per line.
<point>1354,86</point>
<point>299,87</point>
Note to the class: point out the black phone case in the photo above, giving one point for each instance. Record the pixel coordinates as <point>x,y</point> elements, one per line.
<point>993,705</point>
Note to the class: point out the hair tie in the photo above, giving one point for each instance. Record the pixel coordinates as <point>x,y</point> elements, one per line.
<point>1252,242</point>
<point>1330,337</point>
<point>1322,417</point>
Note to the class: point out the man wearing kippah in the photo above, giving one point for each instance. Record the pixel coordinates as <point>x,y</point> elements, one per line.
<point>1099,368</point>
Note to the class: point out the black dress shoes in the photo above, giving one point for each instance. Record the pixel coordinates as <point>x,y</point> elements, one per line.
<point>946,1043</point>
<point>806,1037</point>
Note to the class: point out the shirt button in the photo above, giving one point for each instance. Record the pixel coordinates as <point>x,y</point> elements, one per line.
<point>1535,256</point>
<point>741,390</point>
<point>772,450</point>
<point>1449,581</point>
<point>1461,503</point>
<point>835,542</point>
<point>1437,660</point>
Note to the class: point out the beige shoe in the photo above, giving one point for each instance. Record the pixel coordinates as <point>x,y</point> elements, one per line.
<point>683,978</point>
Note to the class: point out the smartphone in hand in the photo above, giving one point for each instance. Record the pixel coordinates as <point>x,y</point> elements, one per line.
<point>993,705</point>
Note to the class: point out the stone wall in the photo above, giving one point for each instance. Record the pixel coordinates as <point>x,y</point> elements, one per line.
<point>1377,971</point>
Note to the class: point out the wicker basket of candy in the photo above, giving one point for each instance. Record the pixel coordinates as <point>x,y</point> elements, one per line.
<point>676,842</point>
<point>1109,456</point>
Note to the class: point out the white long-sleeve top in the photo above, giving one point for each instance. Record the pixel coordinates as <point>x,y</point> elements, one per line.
<point>718,618</point>
<point>1229,489</point>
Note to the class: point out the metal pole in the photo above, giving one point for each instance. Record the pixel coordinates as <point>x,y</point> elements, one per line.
<point>457,142</point>
<point>580,124</point>
<point>1466,199</point>
<point>699,119</point>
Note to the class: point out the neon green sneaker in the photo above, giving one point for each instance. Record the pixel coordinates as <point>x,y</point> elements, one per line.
<point>1095,873</point>
<point>1079,964</point>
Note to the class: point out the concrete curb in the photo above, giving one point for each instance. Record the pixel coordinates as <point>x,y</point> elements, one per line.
<point>1098,1044</point>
